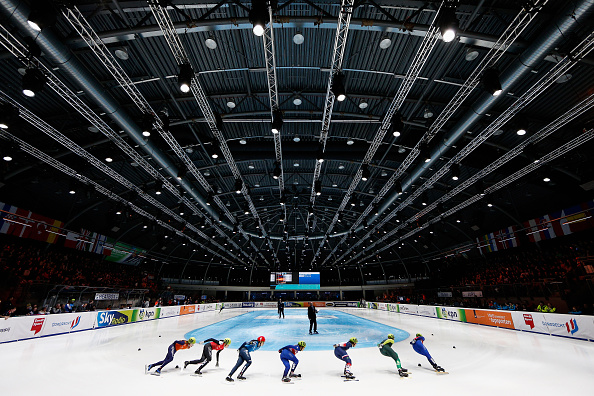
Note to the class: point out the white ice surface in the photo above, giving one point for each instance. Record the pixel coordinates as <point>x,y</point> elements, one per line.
<point>486,361</point>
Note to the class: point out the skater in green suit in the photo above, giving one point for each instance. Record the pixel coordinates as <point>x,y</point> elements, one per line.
<point>385,348</point>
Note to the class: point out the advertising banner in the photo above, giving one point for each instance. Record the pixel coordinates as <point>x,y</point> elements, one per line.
<point>490,318</point>
<point>187,309</point>
<point>232,305</point>
<point>269,304</point>
<point>207,307</point>
<point>408,309</point>
<point>352,304</point>
<point>250,304</point>
<point>107,296</point>
<point>21,328</point>
<point>427,310</point>
<point>169,311</point>
<point>142,314</point>
<point>451,313</point>
<point>444,294</point>
<point>113,318</point>
<point>477,293</point>
<point>61,323</point>
<point>530,321</point>
<point>574,326</point>
<point>294,304</point>
<point>382,306</point>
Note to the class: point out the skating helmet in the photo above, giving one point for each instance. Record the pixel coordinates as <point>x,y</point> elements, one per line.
<point>261,339</point>
<point>419,335</point>
<point>301,344</point>
<point>192,340</point>
<point>391,336</point>
<point>227,341</point>
<point>353,340</point>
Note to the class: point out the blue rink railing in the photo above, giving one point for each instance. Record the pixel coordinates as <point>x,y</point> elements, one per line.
<point>31,327</point>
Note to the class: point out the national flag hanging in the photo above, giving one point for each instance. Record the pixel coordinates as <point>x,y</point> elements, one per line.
<point>71,240</point>
<point>16,221</point>
<point>84,239</point>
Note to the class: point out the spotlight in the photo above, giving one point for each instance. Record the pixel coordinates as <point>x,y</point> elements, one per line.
<point>277,171</point>
<point>455,171</point>
<point>184,78</point>
<point>396,125</point>
<point>318,187</point>
<point>338,87</point>
<point>521,131</point>
<point>365,172</point>
<point>283,200</point>
<point>147,125</point>
<point>427,113</point>
<point>320,155</point>
<point>108,159</point>
<point>209,199</point>
<point>363,105</point>
<point>277,121</point>
<point>258,16</point>
<point>33,82</point>
<point>181,173</point>
<point>491,82</point>
<point>238,186</point>
<point>448,24</point>
<point>8,115</point>
<point>546,180</point>
<point>424,153</point>
<point>42,15</point>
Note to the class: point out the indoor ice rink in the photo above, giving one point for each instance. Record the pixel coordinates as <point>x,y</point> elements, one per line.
<point>479,359</point>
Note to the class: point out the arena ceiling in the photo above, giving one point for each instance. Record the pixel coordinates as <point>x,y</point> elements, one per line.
<point>362,181</point>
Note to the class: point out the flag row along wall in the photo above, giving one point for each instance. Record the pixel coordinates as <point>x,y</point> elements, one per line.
<point>26,224</point>
<point>571,326</point>
<point>564,222</point>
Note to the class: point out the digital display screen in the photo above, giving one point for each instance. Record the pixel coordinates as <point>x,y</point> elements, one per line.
<point>295,280</point>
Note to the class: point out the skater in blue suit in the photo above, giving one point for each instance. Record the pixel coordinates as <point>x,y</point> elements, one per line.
<point>244,356</point>
<point>419,347</point>
<point>340,351</point>
<point>287,353</point>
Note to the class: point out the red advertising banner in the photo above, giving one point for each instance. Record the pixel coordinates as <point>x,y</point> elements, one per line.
<point>187,309</point>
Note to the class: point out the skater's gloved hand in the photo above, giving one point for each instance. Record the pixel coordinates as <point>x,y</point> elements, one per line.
<point>335,345</point>
<point>200,342</point>
<point>280,350</point>
<point>217,365</point>
<point>411,343</point>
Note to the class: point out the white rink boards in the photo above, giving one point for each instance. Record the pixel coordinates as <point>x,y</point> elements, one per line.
<point>486,361</point>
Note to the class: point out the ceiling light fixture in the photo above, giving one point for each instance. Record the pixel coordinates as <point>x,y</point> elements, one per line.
<point>210,43</point>
<point>318,187</point>
<point>363,105</point>
<point>396,125</point>
<point>238,186</point>
<point>448,24</point>
<point>297,101</point>
<point>277,171</point>
<point>184,78</point>
<point>8,115</point>
<point>385,43</point>
<point>338,87</point>
<point>424,153</point>
<point>521,131</point>
<point>455,168</point>
<point>298,38</point>
<point>277,121</point>
<point>147,125</point>
<point>320,155</point>
<point>33,82</point>
<point>42,15</point>
<point>258,16</point>
<point>491,82</point>
<point>365,172</point>
<point>471,54</point>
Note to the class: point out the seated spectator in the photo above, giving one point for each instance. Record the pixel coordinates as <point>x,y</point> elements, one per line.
<point>57,309</point>
<point>574,311</point>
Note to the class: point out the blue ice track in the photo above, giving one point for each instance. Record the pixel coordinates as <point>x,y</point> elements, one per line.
<point>333,327</point>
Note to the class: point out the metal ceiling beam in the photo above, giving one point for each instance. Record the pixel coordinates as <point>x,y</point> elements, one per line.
<point>181,57</point>
<point>413,72</point>
<point>296,22</point>
<point>342,30</point>
<point>582,49</point>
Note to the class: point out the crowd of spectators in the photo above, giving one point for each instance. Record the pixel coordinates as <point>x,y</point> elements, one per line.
<point>23,262</point>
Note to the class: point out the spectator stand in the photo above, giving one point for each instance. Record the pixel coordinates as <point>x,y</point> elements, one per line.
<point>83,295</point>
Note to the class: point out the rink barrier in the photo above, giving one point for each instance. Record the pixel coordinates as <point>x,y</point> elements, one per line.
<point>579,327</point>
<point>30,327</point>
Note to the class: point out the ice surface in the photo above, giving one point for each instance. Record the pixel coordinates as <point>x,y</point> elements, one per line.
<point>486,361</point>
<point>333,327</point>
